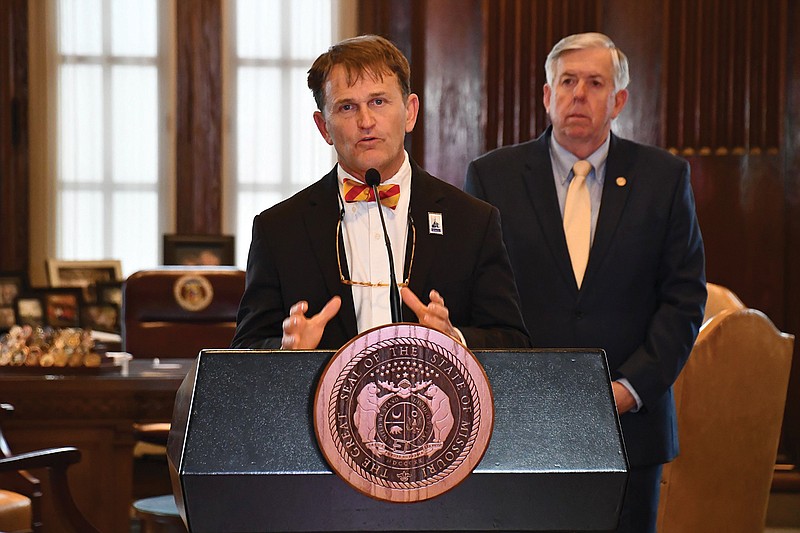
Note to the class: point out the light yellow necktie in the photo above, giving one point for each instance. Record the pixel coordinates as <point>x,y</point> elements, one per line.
<point>578,219</point>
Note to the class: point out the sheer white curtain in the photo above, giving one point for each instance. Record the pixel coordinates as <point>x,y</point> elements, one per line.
<point>111,118</point>
<point>273,148</point>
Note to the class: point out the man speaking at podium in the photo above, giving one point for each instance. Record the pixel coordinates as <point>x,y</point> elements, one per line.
<point>318,270</point>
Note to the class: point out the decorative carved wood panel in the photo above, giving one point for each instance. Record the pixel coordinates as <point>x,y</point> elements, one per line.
<point>14,164</point>
<point>724,76</point>
<point>519,35</point>
<point>199,118</point>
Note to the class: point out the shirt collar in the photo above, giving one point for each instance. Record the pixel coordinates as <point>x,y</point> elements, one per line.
<point>563,160</point>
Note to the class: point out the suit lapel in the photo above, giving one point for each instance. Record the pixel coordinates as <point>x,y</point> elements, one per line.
<point>320,223</point>
<point>425,198</point>
<point>544,201</point>
<point>613,203</point>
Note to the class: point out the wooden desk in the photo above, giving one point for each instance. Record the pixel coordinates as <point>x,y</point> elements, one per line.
<point>94,413</point>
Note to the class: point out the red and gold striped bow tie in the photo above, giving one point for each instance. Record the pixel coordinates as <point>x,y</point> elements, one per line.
<point>355,191</point>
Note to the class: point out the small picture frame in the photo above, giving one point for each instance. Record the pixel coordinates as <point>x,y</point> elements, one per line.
<point>109,292</point>
<point>102,316</point>
<point>190,250</point>
<point>7,317</point>
<point>29,310</point>
<point>62,307</point>
<point>82,274</point>
<point>12,284</point>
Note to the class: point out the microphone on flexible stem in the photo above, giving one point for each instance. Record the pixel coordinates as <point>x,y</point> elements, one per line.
<point>372,178</point>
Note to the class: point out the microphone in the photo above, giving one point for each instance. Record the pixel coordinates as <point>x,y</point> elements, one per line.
<point>372,178</point>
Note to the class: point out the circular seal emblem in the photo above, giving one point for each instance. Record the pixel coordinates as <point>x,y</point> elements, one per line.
<point>193,292</point>
<point>403,413</point>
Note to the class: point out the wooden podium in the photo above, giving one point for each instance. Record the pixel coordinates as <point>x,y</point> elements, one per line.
<point>243,455</point>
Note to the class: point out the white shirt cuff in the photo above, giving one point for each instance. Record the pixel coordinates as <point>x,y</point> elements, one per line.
<point>627,384</point>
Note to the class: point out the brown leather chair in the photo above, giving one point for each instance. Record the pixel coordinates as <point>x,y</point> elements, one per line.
<point>178,311</point>
<point>719,299</point>
<point>175,312</point>
<point>730,399</point>
<point>21,494</point>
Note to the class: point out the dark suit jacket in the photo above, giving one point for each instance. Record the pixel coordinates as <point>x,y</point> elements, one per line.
<point>643,294</point>
<point>293,257</point>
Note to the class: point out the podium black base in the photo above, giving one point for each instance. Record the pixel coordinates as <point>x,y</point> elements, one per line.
<point>244,457</point>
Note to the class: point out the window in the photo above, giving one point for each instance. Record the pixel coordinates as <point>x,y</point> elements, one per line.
<point>103,147</point>
<point>111,140</point>
<point>273,145</point>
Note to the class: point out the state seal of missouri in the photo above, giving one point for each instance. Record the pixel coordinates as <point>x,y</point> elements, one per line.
<point>403,412</point>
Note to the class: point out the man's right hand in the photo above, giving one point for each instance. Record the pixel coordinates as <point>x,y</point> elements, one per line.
<point>303,333</point>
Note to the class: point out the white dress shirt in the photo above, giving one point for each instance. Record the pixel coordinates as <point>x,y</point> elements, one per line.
<point>365,249</point>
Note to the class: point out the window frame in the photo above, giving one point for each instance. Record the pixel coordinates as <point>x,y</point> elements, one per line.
<point>344,15</point>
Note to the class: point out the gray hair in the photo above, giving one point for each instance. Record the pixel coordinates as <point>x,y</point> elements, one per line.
<point>583,41</point>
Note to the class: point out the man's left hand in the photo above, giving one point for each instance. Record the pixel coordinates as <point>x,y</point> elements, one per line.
<point>434,315</point>
<point>623,397</point>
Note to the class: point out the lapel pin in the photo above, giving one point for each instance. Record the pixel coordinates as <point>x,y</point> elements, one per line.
<point>435,226</point>
<point>621,181</point>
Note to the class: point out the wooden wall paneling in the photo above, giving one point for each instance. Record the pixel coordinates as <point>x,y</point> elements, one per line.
<point>758,76</point>
<point>402,22</point>
<point>713,65</point>
<point>742,229</point>
<point>773,96</point>
<point>392,19</point>
<point>199,117</point>
<point>726,89</point>
<point>14,162</point>
<point>637,29</point>
<point>675,66</point>
<point>702,60</point>
<point>519,35</point>
<point>418,54</point>
<point>372,18</point>
<point>744,67</point>
<point>452,98</point>
<point>509,104</point>
<point>790,151</point>
<point>542,41</point>
<point>741,68</point>
<point>724,64</point>
<point>492,68</point>
<point>526,45</point>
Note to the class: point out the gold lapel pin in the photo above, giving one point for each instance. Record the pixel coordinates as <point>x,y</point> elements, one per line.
<point>621,181</point>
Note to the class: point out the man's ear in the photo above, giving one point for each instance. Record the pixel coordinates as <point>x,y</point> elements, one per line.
<point>412,109</point>
<point>619,102</point>
<point>546,97</point>
<point>322,126</point>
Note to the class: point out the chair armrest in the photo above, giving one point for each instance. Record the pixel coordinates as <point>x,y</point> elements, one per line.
<point>56,460</point>
<point>48,458</point>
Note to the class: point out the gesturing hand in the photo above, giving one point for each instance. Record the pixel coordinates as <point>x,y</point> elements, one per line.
<point>434,315</point>
<point>304,333</point>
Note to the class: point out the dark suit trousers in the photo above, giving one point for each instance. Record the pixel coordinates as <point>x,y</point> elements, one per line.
<point>640,506</point>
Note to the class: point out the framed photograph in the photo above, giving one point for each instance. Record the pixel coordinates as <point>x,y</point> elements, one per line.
<point>29,310</point>
<point>7,317</point>
<point>12,284</point>
<point>109,292</point>
<point>100,317</point>
<point>83,274</point>
<point>199,250</point>
<point>62,307</point>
